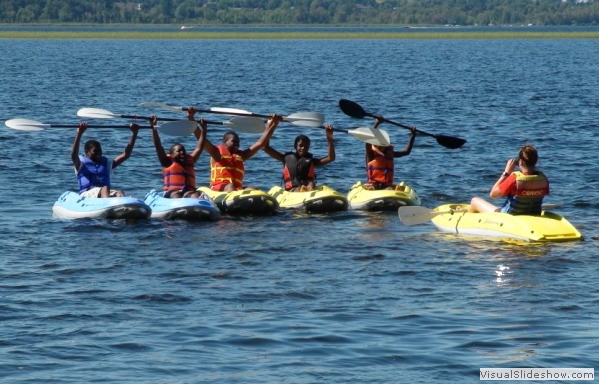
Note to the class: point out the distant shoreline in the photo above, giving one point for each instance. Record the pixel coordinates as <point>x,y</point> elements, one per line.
<point>289,32</point>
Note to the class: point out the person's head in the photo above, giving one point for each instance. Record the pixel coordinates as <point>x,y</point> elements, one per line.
<point>178,152</point>
<point>93,150</point>
<point>231,141</point>
<point>381,150</point>
<point>528,156</point>
<point>302,145</point>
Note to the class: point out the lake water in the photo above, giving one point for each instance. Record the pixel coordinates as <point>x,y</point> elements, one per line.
<point>351,297</point>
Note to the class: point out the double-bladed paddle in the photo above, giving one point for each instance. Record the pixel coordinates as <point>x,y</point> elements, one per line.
<point>304,119</point>
<point>354,109</point>
<point>173,128</point>
<point>240,123</point>
<point>367,135</point>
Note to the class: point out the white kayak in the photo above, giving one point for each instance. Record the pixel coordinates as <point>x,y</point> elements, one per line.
<point>70,205</point>
<point>185,208</point>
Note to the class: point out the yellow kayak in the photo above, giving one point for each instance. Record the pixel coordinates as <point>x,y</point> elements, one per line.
<point>382,199</point>
<point>243,202</point>
<point>548,227</point>
<point>323,199</point>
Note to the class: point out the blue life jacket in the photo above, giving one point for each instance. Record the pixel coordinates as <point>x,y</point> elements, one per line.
<point>93,174</point>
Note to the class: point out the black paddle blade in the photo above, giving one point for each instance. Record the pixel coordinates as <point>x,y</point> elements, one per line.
<point>449,141</point>
<point>352,109</point>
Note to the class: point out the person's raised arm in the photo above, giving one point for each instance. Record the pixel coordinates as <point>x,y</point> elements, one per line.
<point>128,149</point>
<point>406,151</point>
<point>331,155</point>
<point>496,190</point>
<point>162,158</point>
<point>201,136</point>
<point>75,149</point>
<point>273,152</point>
<point>271,125</point>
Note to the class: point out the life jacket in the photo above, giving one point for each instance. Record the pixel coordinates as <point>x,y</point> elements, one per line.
<point>92,174</point>
<point>297,170</point>
<point>229,169</point>
<point>527,196</point>
<point>180,178</point>
<point>380,169</point>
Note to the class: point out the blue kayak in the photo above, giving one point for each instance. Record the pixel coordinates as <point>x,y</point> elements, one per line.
<point>70,205</point>
<point>185,208</point>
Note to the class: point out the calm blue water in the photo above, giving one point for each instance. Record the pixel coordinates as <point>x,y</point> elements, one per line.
<point>345,298</point>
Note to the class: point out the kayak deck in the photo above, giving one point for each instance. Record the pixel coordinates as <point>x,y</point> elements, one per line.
<point>382,199</point>
<point>70,205</point>
<point>547,227</point>
<point>321,200</point>
<point>186,208</point>
<point>243,202</point>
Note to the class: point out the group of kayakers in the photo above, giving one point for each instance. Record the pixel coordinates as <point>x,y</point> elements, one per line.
<point>524,189</point>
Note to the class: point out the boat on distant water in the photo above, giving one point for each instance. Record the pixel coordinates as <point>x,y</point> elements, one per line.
<point>186,27</point>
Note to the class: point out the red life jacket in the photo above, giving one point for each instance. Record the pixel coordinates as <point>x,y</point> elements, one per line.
<point>526,197</point>
<point>297,170</point>
<point>180,178</point>
<point>380,169</point>
<point>229,169</point>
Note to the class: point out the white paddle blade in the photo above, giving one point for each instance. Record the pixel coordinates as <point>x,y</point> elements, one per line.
<point>232,111</point>
<point>306,119</point>
<point>96,113</point>
<point>178,128</point>
<point>160,105</point>
<point>246,124</point>
<point>26,125</point>
<point>371,136</point>
<point>414,215</point>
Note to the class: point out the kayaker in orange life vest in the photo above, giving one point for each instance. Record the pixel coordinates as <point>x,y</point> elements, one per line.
<point>227,160</point>
<point>298,167</point>
<point>524,190</point>
<point>94,170</point>
<point>179,173</point>
<point>380,162</point>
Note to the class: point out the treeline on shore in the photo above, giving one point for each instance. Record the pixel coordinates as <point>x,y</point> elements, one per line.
<point>288,12</point>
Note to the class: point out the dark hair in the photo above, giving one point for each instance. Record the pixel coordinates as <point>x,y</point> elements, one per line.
<point>529,156</point>
<point>91,144</point>
<point>174,146</point>
<point>229,134</point>
<point>301,138</point>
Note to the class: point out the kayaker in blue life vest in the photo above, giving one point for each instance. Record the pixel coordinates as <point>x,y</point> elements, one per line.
<point>299,167</point>
<point>94,170</point>
<point>524,189</point>
<point>179,176</point>
<point>380,163</point>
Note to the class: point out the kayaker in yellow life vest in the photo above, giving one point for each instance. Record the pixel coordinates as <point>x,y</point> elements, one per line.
<point>179,174</point>
<point>524,190</point>
<point>227,160</point>
<point>299,166</point>
<point>380,163</point>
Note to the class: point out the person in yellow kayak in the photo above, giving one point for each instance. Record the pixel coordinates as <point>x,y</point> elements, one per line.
<point>227,160</point>
<point>94,169</point>
<point>380,164</point>
<point>179,174</point>
<point>524,190</point>
<point>299,166</point>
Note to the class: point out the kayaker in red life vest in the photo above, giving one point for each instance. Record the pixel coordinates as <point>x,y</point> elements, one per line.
<point>179,174</point>
<point>94,170</point>
<point>524,190</point>
<point>227,160</point>
<point>380,162</point>
<point>298,167</point>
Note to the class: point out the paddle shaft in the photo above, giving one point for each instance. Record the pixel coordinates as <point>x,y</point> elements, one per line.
<point>135,117</point>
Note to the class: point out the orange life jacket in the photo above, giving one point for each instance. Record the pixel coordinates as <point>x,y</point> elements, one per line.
<point>228,170</point>
<point>177,177</point>
<point>380,169</point>
<point>527,195</point>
